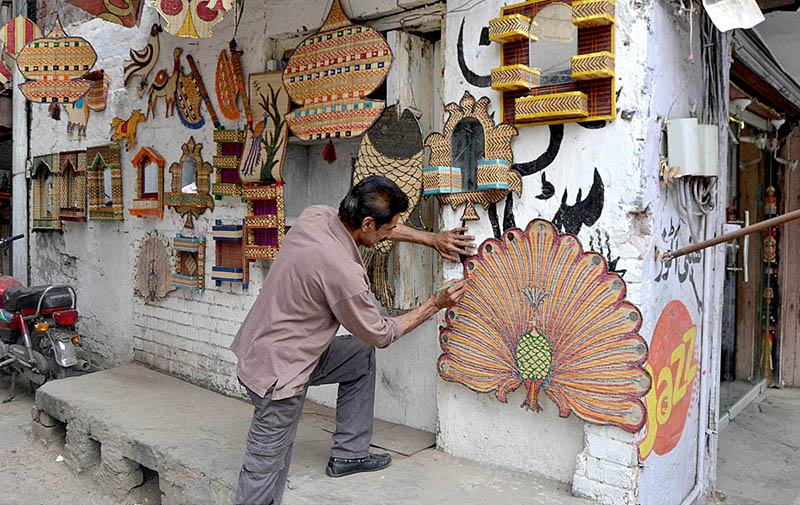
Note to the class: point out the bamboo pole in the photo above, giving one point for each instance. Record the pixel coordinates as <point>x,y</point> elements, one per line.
<point>753,228</point>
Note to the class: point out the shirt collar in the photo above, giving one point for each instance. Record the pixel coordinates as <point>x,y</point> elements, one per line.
<point>341,233</point>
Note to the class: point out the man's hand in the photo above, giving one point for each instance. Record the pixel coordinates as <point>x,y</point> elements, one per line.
<point>450,243</point>
<point>449,296</point>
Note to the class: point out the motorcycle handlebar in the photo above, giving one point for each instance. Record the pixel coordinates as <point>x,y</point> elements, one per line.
<point>8,240</point>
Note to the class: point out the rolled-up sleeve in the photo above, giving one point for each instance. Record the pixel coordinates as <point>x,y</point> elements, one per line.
<point>361,318</point>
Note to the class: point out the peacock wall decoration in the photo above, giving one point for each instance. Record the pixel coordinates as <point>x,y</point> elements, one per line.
<point>540,312</point>
<point>153,276</point>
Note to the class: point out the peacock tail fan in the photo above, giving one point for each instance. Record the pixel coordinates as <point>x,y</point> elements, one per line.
<point>541,312</point>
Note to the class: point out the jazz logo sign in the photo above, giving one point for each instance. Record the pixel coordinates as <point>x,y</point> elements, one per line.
<point>673,366</point>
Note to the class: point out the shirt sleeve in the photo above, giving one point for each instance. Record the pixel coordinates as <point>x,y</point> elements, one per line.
<point>361,318</point>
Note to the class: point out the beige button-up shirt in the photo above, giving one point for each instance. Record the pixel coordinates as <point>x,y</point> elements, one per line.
<point>316,283</point>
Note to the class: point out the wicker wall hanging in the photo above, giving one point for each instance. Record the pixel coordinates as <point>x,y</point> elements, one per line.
<point>493,177</point>
<point>45,196</point>
<point>153,275</point>
<point>589,96</point>
<point>104,175</point>
<point>165,85</point>
<point>188,96</point>
<point>72,186</point>
<point>77,117</point>
<point>143,60</point>
<point>121,12</point>
<point>265,223</point>
<point>55,65</point>
<point>149,199</point>
<point>330,74</point>
<point>391,148</point>
<point>189,196</point>
<point>230,145</point>
<point>190,260</point>
<point>192,18</point>
<point>227,86</point>
<point>126,130</point>
<point>5,76</point>
<point>265,146</point>
<point>98,92</point>
<point>540,312</point>
<point>231,265</point>
<point>17,33</point>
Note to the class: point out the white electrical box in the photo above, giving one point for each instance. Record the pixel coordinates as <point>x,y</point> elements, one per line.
<point>693,148</point>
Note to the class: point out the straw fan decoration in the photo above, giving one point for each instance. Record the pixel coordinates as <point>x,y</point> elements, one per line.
<point>471,159</point>
<point>55,66</point>
<point>153,275</point>
<point>391,148</point>
<point>121,12</point>
<point>330,75</point>
<point>190,184</point>
<point>586,91</point>
<point>541,313</point>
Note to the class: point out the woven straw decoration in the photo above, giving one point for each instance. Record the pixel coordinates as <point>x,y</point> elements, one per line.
<point>191,18</point>
<point>99,159</point>
<point>121,12</point>
<point>226,87</point>
<point>153,275</point>
<point>17,33</point>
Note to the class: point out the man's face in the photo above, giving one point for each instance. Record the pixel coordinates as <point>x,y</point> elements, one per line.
<point>370,234</point>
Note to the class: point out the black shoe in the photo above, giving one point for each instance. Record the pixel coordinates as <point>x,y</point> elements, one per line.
<point>339,467</point>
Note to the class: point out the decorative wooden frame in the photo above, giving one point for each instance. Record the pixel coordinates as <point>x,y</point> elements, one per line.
<point>72,186</point>
<point>190,205</point>
<point>230,146</point>
<point>265,223</point>
<point>190,260</point>
<point>591,97</point>
<point>494,178</point>
<point>100,158</point>
<point>231,265</point>
<point>148,204</point>
<point>42,219</point>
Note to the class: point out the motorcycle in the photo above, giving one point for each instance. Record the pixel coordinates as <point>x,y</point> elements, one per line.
<point>38,339</point>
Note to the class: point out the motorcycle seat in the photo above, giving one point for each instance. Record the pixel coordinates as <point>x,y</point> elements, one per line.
<point>17,298</point>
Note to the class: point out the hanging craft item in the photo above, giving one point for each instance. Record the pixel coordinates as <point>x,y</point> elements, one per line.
<point>190,263</point>
<point>231,265</point>
<point>237,69</point>
<point>192,18</point>
<point>5,75</point>
<point>126,130</point>
<point>265,146</point>
<point>770,246</point>
<point>77,117</point>
<point>72,192</point>
<point>121,12</point>
<point>17,33</point>
<point>104,174</point>
<point>98,94</point>
<point>201,88</point>
<point>187,98</point>
<point>770,202</point>
<point>330,74</point>
<point>230,145</point>
<point>165,86</point>
<point>265,222</point>
<point>55,65</point>
<point>471,160</point>
<point>143,60</point>
<point>391,148</point>
<point>540,312</point>
<point>558,61</point>
<point>190,184</point>
<point>153,277</point>
<point>227,86</point>
<point>45,193</point>
<point>149,199</point>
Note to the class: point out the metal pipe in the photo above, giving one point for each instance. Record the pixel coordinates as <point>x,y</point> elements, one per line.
<point>747,230</point>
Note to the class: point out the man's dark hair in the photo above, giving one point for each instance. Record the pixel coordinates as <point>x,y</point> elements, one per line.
<point>376,197</point>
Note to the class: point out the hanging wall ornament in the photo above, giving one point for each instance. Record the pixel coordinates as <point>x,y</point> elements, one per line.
<point>227,87</point>
<point>191,18</point>
<point>126,130</point>
<point>191,183</point>
<point>187,99</point>
<point>165,86</point>
<point>98,93</point>
<point>5,74</point>
<point>17,33</point>
<point>77,117</point>
<point>153,276</point>
<point>265,146</point>
<point>541,313</point>
<point>330,74</point>
<point>201,88</point>
<point>143,60</point>
<point>121,12</point>
<point>391,148</point>
<point>55,65</point>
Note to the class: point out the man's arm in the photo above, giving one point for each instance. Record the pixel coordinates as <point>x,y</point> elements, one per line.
<point>449,243</point>
<point>441,299</point>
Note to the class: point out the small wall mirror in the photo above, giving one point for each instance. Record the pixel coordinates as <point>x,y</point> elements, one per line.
<point>49,195</point>
<point>467,148</point>
<point>189,175</point>
<point>558,42</point>
<point>108,192</point>
<point>150,184</point>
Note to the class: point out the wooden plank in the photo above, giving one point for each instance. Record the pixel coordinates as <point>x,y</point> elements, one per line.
<point>790,285</point>
<point>751,84</point>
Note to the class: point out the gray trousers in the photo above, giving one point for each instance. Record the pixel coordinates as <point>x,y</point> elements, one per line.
<point>348,361</point>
